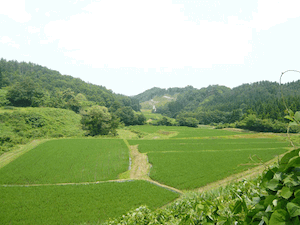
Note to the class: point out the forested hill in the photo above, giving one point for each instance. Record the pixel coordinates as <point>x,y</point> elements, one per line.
<point>57,86</point>
<point>159,92</point>
<point>218,104</point>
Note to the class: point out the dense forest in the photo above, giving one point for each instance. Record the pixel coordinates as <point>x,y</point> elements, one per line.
<point>158,92</point>
<point>30,85</point>
<point>37,102</point>
<point>258,106</point>
<point>51,87</point>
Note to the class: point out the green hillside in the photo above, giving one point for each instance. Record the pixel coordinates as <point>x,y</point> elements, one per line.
<point>52,85</point>
<point>158,101</point>
<point>159,92</point>
<point>20,125</point>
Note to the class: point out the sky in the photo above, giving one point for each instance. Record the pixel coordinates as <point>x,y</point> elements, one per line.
<point>130,46</point>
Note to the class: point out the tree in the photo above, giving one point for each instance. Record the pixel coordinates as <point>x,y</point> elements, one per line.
<point>187,119</point>
<point>98,121</point>
<point>1,79</point>
<point>163,122</point>
<point>24,94</point>
<point>126,115</point>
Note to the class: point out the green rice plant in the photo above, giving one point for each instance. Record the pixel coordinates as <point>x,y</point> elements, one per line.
<point>192,145</point>
<point>189,132</point>
<point>75,204</point>
<point>189,170</point>
<point>68,161</point>
<point>186,132</point>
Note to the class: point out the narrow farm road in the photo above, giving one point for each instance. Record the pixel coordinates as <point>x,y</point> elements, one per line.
<point>140,167</point>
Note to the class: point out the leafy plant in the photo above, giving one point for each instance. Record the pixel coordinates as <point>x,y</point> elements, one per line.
<point>280,203</point>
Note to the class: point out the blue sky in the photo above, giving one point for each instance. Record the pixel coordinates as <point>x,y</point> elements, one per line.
<point>130,46</point>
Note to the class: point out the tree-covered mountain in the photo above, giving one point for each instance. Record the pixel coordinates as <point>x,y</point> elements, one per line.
<point>51,86</point>
<point>192,99</point>
<point>262,101</point>
<point>158,92</point>
<point>37,102</point>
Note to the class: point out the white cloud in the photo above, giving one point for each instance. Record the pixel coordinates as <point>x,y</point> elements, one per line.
<point>271,13</point>
<point>7,40</point>
<point>148,34</point>
<point>33,30</point>
<point>15,9</point>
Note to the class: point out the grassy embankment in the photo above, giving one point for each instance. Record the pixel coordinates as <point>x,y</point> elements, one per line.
<point>19,126</point>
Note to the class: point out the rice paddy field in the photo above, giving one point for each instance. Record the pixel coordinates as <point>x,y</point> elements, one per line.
<point>189,163</point>
<point>184,132</point>
<point>68,161</point>
<point>78,204</point>
<point>76,181</point>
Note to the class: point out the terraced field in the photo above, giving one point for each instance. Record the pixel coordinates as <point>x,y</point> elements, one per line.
<point>73,181</point>
<point>68,181</point>
<point>189,163</point>
<point>75,204</point>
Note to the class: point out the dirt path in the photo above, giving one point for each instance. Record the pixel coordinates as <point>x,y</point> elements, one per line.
<point>140,167</point>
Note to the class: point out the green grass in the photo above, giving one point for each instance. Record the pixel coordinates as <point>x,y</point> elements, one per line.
<point>74,204</point>
<point>22,125</point>
<point>68,160</point>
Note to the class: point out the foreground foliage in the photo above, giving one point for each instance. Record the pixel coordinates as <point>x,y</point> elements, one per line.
<point>279,203</point>
<point>220,206</point>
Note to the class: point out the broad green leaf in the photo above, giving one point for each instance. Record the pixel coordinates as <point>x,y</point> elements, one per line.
<point>296,200</point>
<point>273,185</point>
<point>293,209</point>
<point>237,207</point>
<point>278,176</point>
<point>266,220</point>
<point>293,123</point>
<point>289,118</point>
<point>286,193</point>
<point>269,209</point>
<point>297,193</point>
<point>286,158</point>
<point>296,220</point>
<point>297,116</point>
<point>278,217</point>
<point>269,199</point>
<point>294,162</point>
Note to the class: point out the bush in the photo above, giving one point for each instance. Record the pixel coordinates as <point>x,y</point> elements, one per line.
<point>251,122</point>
